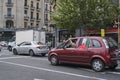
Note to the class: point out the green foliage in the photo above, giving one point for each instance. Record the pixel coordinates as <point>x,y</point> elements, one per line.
<point>72,14</point>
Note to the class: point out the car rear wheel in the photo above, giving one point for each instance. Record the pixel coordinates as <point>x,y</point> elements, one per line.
<point>31,52</point>
<point>43,54</point>
<point>15,52</point>
<point>54,60</point>
<point>98,65</point>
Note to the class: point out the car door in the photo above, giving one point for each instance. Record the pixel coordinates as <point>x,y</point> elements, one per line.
<point>69,51</point>
<point>26,47</point>
<point>20,48</point>
<point>83,50</point>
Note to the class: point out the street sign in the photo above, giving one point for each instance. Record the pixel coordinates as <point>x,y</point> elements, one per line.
<point>102,32</point>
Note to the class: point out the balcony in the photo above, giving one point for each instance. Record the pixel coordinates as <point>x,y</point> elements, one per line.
<point>38,9</point>
<point>8,4</point>
<point>26,17</point>
<point>46,20</point>
<point>32,19</point>
<point>26,6</point>
<point>47,11</point>
<point>47,1</point>
<point>9,17</point>
<point>32,7</point>
<point>38,19</point>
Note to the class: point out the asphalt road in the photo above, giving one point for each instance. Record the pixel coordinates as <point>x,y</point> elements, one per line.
<point>24,67</point>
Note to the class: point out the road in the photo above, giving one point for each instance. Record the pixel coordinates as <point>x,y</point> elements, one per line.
<point>24,67</point>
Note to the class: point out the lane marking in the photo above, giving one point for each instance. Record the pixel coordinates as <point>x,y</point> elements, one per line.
<point>38,79</point>
<point>49,70</point>
<point>114,73</point>
<point>13,57</point>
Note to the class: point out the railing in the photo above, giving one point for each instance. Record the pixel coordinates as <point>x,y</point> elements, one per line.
<point>8,4</point>
<point>32,7</point>
<point>38,19</point>
<point>26,6</point>
<point>9,16</point>
<point>26,17</point>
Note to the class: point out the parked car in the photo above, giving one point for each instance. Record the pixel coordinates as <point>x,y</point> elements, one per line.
<point>32,48</point>
<point>97,52</point>
<point>3,43</point>
<point>11,45</point>
<point>0,47</point>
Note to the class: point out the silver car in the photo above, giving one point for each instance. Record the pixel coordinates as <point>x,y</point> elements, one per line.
<point>32,48</point>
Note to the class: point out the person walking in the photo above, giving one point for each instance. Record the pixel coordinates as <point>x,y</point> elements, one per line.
<point>49,44</point>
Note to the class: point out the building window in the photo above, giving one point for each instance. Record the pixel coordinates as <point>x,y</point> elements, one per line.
<point>37,5</point>
<point>25,24</point>
<point>9,11</point>
<point>31,15</point>
<point>25,3</point>
<point>31,24</point>
<point>37,16</point>
<point>25,12</point>
<point>31,3</point>
<point>46,6</point>
<point>9,1</point>
<point>46,17</point>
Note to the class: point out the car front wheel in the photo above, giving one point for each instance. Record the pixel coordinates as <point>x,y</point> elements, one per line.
<point>15,52</point>
<point>31,52</point>
<point>98,65</point>
<point>54,60</point>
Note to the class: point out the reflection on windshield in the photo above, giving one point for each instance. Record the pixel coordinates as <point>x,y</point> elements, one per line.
<point>112,43</point>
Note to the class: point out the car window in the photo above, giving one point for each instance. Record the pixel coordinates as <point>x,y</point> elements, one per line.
<point>96,43</point>
<point>84,41</point>
<point>61,45</point>
<point>71,43</point>
<point>38,43</point>
<point>27,43</point>
<point>111,42</point>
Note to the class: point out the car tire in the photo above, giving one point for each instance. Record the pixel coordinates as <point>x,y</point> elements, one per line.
<point>98,65</point>
<point>31,52</point>
<point>15,52</point>
<point>54,60</point>
<point>9,48</point>
<point>43,54</point>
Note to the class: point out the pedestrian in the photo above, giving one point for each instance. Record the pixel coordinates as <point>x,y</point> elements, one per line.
<point>49,44</point>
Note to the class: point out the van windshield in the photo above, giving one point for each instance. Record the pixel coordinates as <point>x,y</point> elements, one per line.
<point>111,43</point>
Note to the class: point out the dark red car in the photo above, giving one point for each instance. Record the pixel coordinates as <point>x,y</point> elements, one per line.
<point>96,52</point>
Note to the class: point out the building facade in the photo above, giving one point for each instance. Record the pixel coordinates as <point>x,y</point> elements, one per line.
<point>21,13</point>
<point>25,14</point>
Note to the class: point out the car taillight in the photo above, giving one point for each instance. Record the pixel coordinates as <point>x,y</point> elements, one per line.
<point>38,47</point>
<point>108,55</point>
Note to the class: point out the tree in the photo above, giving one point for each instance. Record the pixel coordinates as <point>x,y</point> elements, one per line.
<point>91,14</point>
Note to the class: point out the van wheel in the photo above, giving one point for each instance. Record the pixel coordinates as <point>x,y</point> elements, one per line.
<point>31,52</point>
<point>98,65</point>
<point>15,52</point>
<point>54,60</point>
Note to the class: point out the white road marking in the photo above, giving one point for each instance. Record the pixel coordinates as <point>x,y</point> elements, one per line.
<point>49,70</point>
<point>38,79</point>
<point>114,73</point>
<point>12,57</point>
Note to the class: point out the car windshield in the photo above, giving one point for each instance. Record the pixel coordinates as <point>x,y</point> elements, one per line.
<point>38,43</point>
<point>111,42</point>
